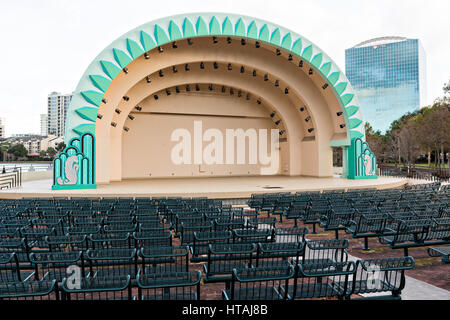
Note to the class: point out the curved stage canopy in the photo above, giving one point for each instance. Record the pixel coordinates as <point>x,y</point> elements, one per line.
<point>209,71</point>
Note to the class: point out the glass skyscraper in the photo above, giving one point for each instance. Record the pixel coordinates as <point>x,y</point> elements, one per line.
<point>389,76</point>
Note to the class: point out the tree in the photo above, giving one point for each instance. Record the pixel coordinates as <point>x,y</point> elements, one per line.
<point>18,150</point>
<point>51,152</point>
<point>60,146</point>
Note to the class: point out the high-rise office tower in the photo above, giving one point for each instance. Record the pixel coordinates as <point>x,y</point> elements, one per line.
<point>389,76</point>
<point>57,110</point>
<point>44,125</point>
<point>2,127</point>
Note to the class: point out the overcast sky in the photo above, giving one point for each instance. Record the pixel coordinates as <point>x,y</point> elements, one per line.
<point>48,44</point>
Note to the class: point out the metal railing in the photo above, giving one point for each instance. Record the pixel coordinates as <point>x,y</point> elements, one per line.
<point>11,178</point>
<point>428,173</point>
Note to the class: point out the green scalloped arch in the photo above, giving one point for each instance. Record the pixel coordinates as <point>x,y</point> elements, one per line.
<point>166,30</point>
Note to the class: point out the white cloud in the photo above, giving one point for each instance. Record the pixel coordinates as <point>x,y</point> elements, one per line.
<point>47,44</point>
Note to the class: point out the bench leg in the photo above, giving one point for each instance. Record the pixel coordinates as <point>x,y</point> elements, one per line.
<point>366,244</point>
<point>405,252</point>
<point>314,228</point>
<point>336,232</point>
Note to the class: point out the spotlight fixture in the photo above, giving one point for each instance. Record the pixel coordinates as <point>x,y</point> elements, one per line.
<point>186,67</point>
<point>242,69</point>
<point>202,65</point>
<point>290,57</point>
<point>125,70</point>
<point>272,114</point>
<point>340,113</point>
<point>282,132</point>
<point>230,67</point>
<point>99,116</point>
<point>229,40</point>
<point>254,73</point>
<point>215,40</point>
<point>239,93</point>
<point>231,91</point>
<point>104,101</point>
<point>277,83</point>
<point>308,118</point>
<point>131,117</point>
<point>266,77</point>
<point>278,52</point>
<point>243,42</point>
<point>310,71</point>
<point>177,90</point>
<point>278,122</point>
<point>210,87</point>
<point>286,91</point>
<point>118,111</point>
<point>188,88</point>
<point>138,108</point>
<point>216,65</point>
<point>342,126</point>
<point>156,97</point>
<point>197,87</point>
<point>126,98</point>
<point>258,101</point>
<point>257,45</point>
<point>325,86</point>
<point>148,79</point>
<point>174,69</point>
<point>160,50</point>
<point>126,129</point>
<point>168,92</point>
<point>223,89</point>
<point>161,74</point>
<point>114,124</point>
<point>189,41</point>
<point>247,97</point>
<point>174,45</point>
<point>310,130</point>
<point>302,109</point>
<point>300,64</point>
<point>146,56</point>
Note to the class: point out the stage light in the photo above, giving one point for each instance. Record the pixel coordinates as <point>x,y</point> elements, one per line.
<point>266,77</point>
<point>231,91</point>
<point>277,83</point>
<point>174,45</point>
<point>126,129</point>
<point>148,79</point>
<point>188,88</point>
<point>310,71</point>
<point>243,42</point>
<point>161,74</point>
<point>342,126</point>
<point>278,122</point>
<point>99,116</point>
<point>248,96</point>
<point>272,114</point>
<point>325,86</point>
<point>210,87</point>
<point>254,73</point>
<point>156,97</point>
<point>215,39</point>
<point>114,124</point>
<point>310,130</point>
<point>186,67</point>
<point>257,45</point>
<point>174,69</point>
<point>300,64</point>
<point>242,69</point>
<point>197,87</point>
<point>223,89</point>
<point>278,52</point>
<point>258,101</point>
<point>230,67</point>
<point>216,65</point>
<point>177,90</point>
<point>286,91</point>
<point>160,50</point>
<point>308,118</point>
<point>189,41</point>
<point>282,132</point>
<point>202,65</point>
<point>138,108</point>
<point>168,92</point>
<point>146,56</point>
<point>131,117</point>
<point>290,57</point>
<point>125,70</point>
<point>239,94</point>
<point>302,109</point>
<point>340,113</point>
<point>104,101</point>
<point>229,40</point>
<point>126,98</point>
<point>118,111</point>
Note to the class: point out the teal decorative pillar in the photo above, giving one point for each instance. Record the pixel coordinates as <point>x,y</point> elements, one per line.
<point>362,163</point>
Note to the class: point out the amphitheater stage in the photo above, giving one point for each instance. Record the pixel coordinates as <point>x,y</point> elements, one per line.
<point>219,188</point>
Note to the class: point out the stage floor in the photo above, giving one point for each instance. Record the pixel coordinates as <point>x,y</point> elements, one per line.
<point>220,188</point>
